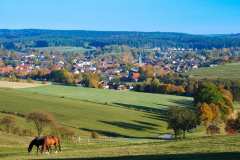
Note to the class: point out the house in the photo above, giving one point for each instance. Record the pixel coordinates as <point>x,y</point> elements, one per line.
<point>134,74</point>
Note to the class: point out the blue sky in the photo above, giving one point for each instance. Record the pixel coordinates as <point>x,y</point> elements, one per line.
<point>189,16</point>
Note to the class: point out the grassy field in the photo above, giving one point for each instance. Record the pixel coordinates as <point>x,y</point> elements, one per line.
<point>209,148</point>
<point>129,123</point>
<point>132,99</point>
<point>69,49</point>
<point>122,119</point>
<point>227,71</point>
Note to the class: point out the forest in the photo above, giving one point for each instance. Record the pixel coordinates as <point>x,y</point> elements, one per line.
<point>17,39</point>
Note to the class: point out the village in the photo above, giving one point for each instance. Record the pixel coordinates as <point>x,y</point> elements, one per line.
<point>117,71</point>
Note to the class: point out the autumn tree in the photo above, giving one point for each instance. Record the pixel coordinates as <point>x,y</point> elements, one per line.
<point>209,93</point>
<point>40,120</point>
<point>62,76</point>
<point>91,80</point>
<point>215,104</point>
<point>146,72</point>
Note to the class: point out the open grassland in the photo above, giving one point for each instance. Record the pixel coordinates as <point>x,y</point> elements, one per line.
<point>69,49</point>
<point>132,120</point>
<point>128,99</point>
<point>7,84</point>
<point>209,148</point>
<point>228,71</point>
<point>122,119</point>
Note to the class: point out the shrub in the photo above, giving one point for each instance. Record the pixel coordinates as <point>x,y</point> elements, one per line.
<point>231,126</point>
<point>213,129</point>
<point>94,135</point>
<point>9,122</point>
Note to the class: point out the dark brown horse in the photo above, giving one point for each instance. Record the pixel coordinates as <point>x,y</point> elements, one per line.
<point>37,141</point>
<point>46,142</point>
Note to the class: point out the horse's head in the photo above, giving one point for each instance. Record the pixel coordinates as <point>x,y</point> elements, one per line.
<point>32,143</point>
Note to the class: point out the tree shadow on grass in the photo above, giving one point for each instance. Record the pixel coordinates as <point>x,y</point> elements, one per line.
<point>190,156</point>
<point>146,123</point>
<point>160,113</point>
<point>106,133</point>
<point>115,134</point>
<point>126,125</point>
<point>183,102</point>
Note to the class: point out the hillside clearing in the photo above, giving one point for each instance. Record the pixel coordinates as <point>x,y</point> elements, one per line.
<point>113,97</point>
<point>227,71</point>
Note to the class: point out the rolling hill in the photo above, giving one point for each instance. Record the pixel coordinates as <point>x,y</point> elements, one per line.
<point>131,38</point>
<point>227,71</point>
<point>115,118</point>
<point>133,120</point>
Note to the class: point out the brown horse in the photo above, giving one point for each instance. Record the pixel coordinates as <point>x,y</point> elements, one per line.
<point>46,142</point>
<point>50,141</point>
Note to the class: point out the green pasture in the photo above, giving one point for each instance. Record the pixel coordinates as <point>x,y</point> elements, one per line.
<point>227,71</point>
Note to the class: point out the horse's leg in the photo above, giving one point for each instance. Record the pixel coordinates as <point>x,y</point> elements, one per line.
<point>37,149</point>
<point>55,148</point>
<point>59,147</point>
<point>50,149</point>
<point>43,148</point>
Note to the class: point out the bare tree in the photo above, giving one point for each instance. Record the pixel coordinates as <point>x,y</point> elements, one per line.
<point>40,120</point>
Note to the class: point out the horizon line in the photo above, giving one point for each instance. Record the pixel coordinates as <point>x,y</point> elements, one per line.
<point>93,30</point>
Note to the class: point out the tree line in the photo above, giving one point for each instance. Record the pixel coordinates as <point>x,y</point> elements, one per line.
<point>42,38</point>
<point>213,108</point>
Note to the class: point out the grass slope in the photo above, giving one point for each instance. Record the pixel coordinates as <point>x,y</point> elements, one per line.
<point>227,71</point>
<point>214,148</point>
<point>123,98</point>
<point>119,120</point>
<point>134,115</point>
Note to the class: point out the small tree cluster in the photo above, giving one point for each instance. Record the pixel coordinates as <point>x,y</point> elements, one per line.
<point>91,80</point>
<point>154,86</point>
<point>181,120</point>
<point>215,104</point>
<point>62,76</point>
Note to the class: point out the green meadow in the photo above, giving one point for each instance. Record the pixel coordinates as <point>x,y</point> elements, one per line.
<point>227,71</point>
<point>129,124</point>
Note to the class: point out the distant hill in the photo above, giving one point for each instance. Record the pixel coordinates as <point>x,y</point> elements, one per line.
<point>29,37</point>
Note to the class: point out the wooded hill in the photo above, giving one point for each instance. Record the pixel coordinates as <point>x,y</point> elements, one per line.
<point>43,38</point>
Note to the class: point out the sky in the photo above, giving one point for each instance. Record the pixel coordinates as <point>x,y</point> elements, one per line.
<point>188,16</point>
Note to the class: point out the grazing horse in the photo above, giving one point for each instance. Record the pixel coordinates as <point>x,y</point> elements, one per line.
<point>37,141</point>
<point>51,141</point>
<point>45,142</point>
